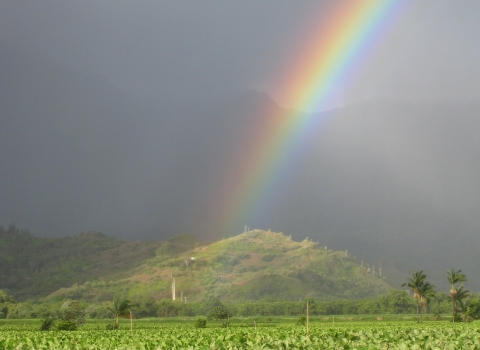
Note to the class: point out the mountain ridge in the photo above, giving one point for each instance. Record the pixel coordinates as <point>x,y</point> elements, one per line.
<point>254,265</point>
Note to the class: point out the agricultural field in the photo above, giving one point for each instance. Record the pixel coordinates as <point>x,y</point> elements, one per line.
<point>347,335</point>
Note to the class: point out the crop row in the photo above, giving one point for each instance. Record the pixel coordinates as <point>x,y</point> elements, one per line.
<point>361,337</point>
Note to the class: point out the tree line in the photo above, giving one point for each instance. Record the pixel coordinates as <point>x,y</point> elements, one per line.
<point>395,302</point>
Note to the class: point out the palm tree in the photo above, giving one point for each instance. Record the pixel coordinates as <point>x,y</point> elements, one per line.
<point>414,283</point>
<point>455,277</point>
<point>120,308</point>
<point>458,296</point>
<point>425,291</point>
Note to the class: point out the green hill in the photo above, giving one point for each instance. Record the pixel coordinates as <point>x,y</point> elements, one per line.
<point>251,266</point>
<point>32,267</point>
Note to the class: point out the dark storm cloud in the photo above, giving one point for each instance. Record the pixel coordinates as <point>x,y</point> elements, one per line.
<point>121,116</point>
<point>430,55</point>
<point>203,49</point>
<point>162,49</point>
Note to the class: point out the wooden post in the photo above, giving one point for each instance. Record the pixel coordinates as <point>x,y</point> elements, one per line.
<point>131,323</point>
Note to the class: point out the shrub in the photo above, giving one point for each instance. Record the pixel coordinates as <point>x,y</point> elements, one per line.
<point>201,322</point>
<point>243,255</point>
<point>71,311</point>
<point>47,323</point>
<point>473,309</point>
<point>268,257</point>
<point>225,260</point>
<point>219,313</point>
<point>67,326</point>
<point>301,321</point>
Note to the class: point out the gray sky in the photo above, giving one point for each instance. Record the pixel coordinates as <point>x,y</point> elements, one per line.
<point>170,50</point>
<point>145,157</point>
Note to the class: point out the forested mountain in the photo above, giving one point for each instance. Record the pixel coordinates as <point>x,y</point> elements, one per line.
<point>31,267</point>
<point>251,266</point>
<point>254,265</point>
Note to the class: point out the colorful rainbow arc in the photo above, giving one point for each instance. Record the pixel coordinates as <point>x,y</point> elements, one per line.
<point>333,56</point>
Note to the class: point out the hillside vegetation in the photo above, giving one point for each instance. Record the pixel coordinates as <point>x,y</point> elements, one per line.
<point>251,266</point>
<point>32,266</point>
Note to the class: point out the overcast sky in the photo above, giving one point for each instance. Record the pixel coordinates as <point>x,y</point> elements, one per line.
<point>177,50</point>
<point>144,159</point>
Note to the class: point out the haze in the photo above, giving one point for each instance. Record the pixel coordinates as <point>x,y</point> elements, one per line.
<point>121,117</point>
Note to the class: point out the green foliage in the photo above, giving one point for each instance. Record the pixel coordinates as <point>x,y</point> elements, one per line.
<point>268,257</point>
<point>219,313</point>
<point>5,298</point>
<point>422,290</point>
<point>232,269</point>
<point>225,259</point>
<point>473,309</point>
<point>33,266</point>
<point>458,294</point>
<point>302,320</point>
<point>47,323</point>
<point>120,308</point>
<point>243,255</point>
<point>455,277</point>
<point>396,302</point>
<point>360,336</point>
<point>201,322</point>
<point>71,311</point>
<point>67,326</point>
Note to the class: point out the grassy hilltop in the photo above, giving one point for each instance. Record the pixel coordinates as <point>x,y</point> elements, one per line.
<point>251,266</point>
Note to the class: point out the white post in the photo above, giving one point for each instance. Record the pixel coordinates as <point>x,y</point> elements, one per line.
<point>173,289</point>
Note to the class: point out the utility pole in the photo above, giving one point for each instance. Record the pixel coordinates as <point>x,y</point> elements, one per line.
<point>131,323</point>
<point>173,289</point>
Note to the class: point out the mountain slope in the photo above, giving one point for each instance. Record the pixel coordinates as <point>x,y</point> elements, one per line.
<point>31,267</point>
<point>251,266</point>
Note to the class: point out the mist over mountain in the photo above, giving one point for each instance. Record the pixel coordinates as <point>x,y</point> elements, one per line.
<point>395,183</point>
<point>68,145</point>
<point>78,153</point>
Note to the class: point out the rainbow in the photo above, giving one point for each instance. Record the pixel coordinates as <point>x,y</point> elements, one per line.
<point>333,54</point>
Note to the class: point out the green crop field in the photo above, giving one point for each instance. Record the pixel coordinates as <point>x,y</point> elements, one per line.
<point>150,335</point>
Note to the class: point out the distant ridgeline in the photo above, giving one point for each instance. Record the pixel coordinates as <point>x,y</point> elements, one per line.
<point>34,267</point>
<point>255,265</point>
